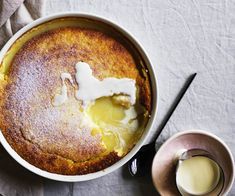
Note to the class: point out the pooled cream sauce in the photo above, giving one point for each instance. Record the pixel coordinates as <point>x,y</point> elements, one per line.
<point>198,175</point>
<point>90,88</point>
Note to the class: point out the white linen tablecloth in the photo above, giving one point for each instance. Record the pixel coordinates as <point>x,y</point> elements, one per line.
<point>181,37</point>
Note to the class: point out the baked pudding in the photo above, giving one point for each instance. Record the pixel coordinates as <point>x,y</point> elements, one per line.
<point>57,120</point>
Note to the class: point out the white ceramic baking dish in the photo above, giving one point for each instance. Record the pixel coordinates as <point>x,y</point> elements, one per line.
<point>151,126</point>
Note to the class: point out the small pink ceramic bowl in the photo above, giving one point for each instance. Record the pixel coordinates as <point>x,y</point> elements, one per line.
<point>164,163</point>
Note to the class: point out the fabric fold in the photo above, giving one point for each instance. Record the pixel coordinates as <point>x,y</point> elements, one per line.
<point>7,8</point>
<point>16,14</point>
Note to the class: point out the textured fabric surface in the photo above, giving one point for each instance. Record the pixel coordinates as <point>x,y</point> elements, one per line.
<point>180,37</point>
<point>16,14</point>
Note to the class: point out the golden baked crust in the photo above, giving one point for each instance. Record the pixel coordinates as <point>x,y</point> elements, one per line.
<point>47,136</point>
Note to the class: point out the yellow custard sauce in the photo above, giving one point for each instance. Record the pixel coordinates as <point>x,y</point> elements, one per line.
<point>119,126</point>
<point>198,175</point>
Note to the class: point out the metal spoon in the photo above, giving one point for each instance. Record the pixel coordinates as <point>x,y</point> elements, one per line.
<point>142,160</point>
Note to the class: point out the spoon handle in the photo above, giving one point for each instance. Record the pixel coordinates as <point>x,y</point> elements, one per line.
<point>142,160</point>
<point>174,105</point>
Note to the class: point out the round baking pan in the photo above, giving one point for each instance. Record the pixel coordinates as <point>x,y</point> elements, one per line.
<point>95,22</point>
